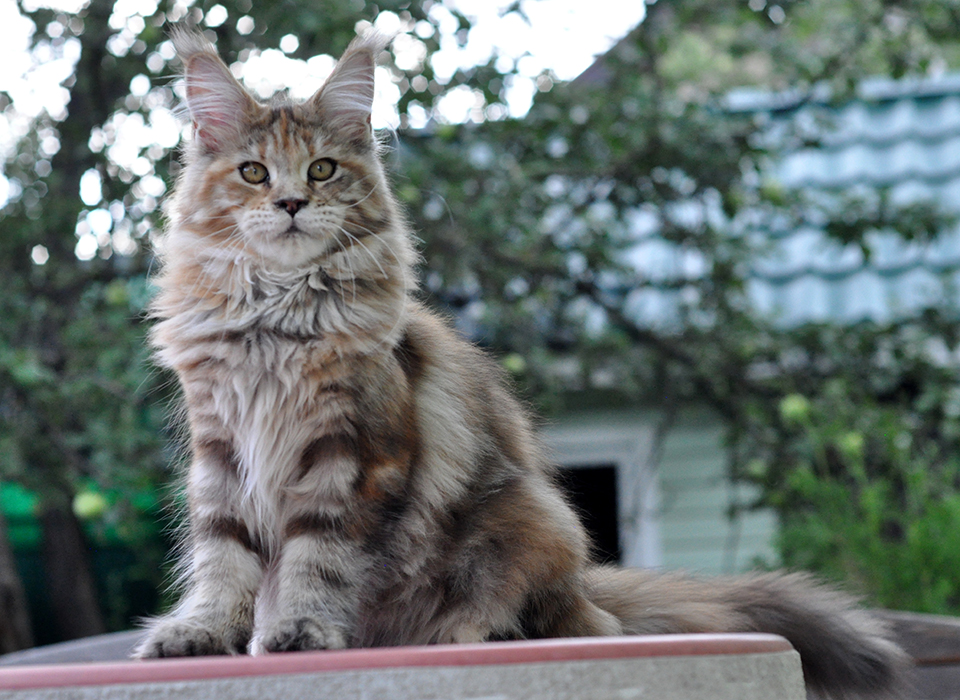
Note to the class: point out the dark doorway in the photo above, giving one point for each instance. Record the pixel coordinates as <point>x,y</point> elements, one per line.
<point>593,491</point>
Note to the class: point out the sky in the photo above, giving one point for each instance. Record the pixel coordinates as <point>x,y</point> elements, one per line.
<point>563,36</point>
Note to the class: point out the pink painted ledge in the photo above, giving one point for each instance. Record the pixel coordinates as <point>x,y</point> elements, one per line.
<point>490,653</point>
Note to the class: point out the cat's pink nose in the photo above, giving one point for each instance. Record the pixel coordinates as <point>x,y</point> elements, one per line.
<point>291,205</point>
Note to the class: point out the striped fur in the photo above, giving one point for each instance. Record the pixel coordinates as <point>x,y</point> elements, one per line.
<point>360,475</point>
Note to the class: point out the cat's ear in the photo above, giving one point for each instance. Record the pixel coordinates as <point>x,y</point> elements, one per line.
<point>345,101</point>
<point>218,104</point>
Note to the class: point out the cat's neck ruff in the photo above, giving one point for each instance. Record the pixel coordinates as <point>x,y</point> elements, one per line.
<point>212,298</point>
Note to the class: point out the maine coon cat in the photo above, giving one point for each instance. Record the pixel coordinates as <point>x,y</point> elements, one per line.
<point>360,476</point>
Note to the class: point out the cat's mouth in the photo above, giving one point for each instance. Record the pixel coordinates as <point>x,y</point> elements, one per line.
<point>293,230</point>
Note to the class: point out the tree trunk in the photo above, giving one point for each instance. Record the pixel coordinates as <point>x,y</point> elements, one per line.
<point>70,583</point>
<point>15,630</point>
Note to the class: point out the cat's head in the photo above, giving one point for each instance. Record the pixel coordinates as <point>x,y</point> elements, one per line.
<point>286,183</point>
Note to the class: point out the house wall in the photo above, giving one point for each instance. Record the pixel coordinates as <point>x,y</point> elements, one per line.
<point>673,500</point>
<point>696,499</point>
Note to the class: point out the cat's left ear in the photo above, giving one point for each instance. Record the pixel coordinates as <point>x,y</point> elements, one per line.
<point>345,101</point>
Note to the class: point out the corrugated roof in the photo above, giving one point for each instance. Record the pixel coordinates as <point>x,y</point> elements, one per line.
<point>902,136</point>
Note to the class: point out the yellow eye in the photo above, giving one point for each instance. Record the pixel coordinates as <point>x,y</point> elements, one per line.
<point>254,173</point>
<point>322,169</point>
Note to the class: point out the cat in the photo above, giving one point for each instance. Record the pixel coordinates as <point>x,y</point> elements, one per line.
<point>360,475</point>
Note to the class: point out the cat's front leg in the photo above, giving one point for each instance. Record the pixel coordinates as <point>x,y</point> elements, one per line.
<point>310,598</point>
<point>222,568</point>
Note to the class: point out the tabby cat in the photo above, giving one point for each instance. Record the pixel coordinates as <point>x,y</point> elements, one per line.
<point>360,475</point>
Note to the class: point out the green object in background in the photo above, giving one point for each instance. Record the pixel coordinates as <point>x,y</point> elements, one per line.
<point>88,505</point>
<point>95,509</point>
<point>19,507</point>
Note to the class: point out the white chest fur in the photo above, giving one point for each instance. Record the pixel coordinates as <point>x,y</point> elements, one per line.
<point>275,401</point>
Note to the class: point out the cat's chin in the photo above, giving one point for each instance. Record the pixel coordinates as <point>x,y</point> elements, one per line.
<point>288,252</point>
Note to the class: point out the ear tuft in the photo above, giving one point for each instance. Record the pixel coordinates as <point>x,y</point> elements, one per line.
<point>218,104</point>
<point>345,101</point>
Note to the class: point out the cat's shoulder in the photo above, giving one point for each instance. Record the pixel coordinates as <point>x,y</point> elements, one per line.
<point>430,339</point>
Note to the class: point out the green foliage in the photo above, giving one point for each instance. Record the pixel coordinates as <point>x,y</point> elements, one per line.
<point>862,462</point>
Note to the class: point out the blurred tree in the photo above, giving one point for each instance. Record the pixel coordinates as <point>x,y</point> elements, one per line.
<point>525,224</point>
<point>15,632</point>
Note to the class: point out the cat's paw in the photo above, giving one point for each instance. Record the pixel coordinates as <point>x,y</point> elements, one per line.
<point>303,634</point>
<point>177,637</point>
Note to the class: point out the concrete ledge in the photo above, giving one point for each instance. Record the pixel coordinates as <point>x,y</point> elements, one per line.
<point>668,667</point>
<point>114,646</point>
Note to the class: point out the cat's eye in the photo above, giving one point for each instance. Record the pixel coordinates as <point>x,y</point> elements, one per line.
<point>253,172</point>
<point>322,169</point>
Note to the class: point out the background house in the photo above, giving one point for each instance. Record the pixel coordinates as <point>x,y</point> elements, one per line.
<point>898,143</point>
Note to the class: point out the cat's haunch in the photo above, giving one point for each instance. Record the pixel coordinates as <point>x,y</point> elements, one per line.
<point>360,474</point>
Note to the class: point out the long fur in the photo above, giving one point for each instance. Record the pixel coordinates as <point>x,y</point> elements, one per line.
<point>360,475</point>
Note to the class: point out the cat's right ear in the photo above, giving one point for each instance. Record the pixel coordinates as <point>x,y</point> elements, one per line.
<point>218,104</point>
<point>345,101</point>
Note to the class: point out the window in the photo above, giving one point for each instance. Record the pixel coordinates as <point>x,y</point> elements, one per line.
<point>592,489</point>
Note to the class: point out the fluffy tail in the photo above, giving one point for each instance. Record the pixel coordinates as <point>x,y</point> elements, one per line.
<point>845,652</point>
